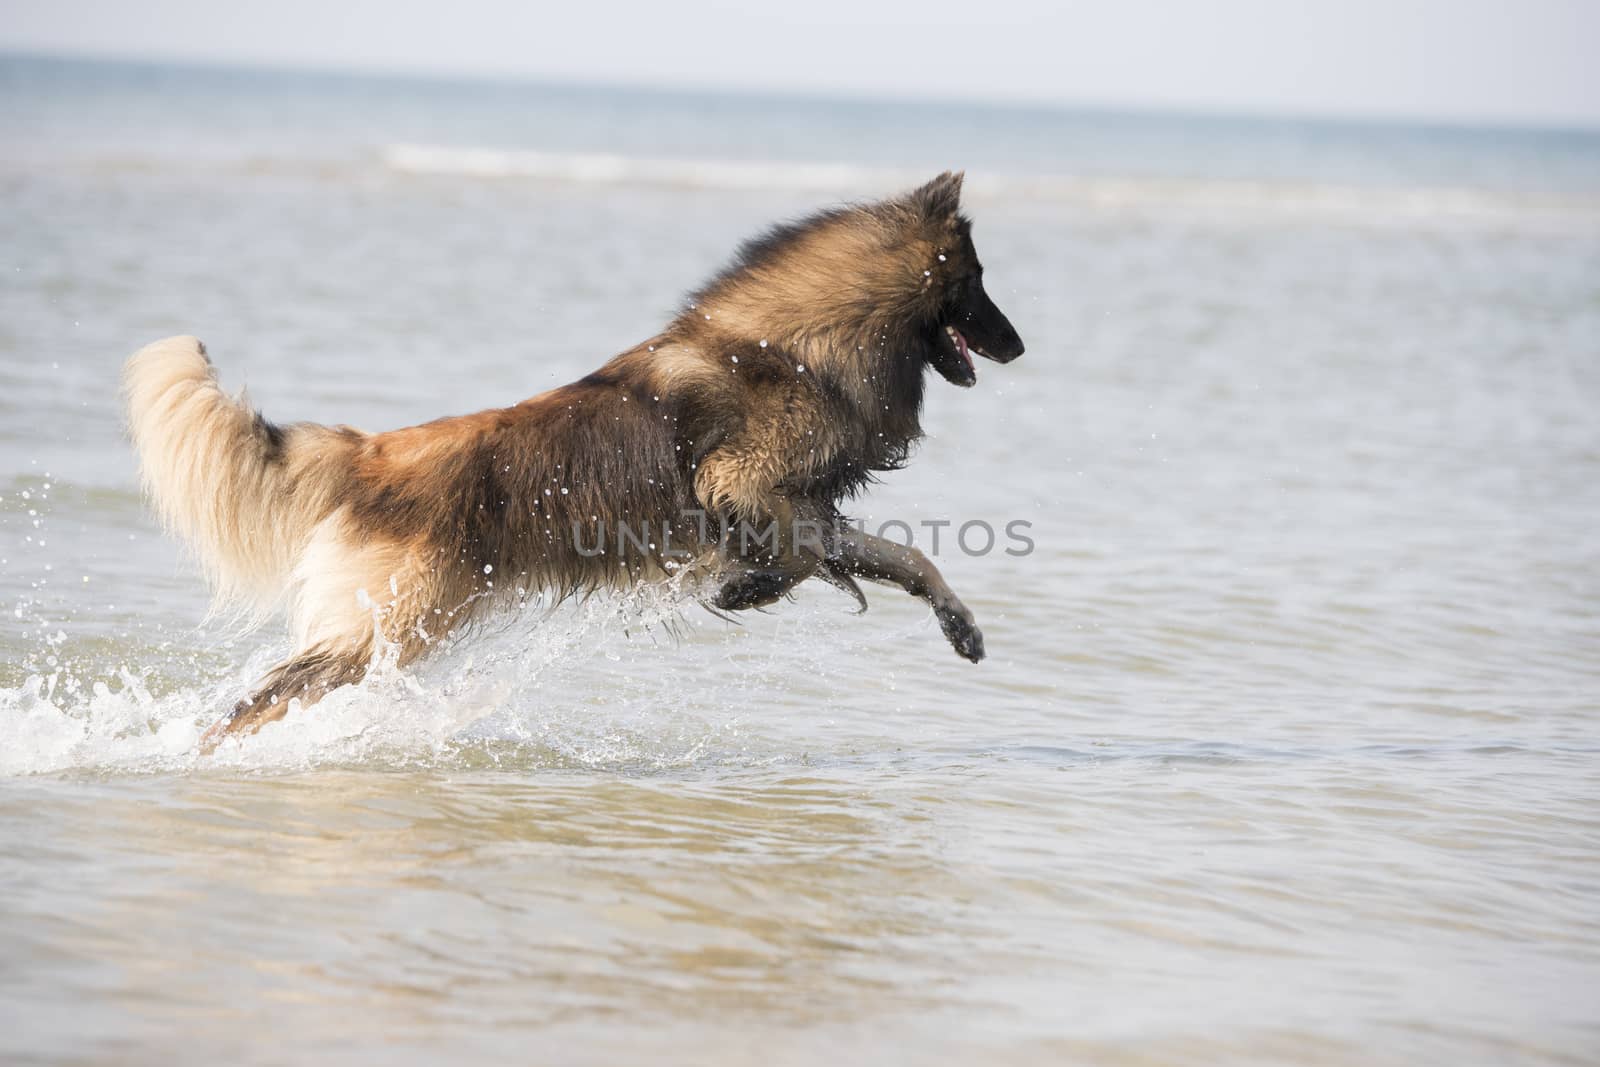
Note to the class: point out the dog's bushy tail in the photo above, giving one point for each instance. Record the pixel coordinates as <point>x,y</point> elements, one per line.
<point>244,493</point>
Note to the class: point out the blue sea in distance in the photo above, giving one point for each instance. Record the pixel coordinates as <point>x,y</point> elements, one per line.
<point>106,111</point>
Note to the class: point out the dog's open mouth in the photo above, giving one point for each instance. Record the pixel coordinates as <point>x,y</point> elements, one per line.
<point>956,366</point>
<point>957,339</point>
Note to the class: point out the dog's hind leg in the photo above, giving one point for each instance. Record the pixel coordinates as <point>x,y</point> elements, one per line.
<point>308,677</point>
<point>337,623</point>
<point>882,560</point>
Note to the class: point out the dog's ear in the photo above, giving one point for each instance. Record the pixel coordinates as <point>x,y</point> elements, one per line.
<point>941,197</point>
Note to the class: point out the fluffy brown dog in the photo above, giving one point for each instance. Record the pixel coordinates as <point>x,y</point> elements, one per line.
<point>778,391</point>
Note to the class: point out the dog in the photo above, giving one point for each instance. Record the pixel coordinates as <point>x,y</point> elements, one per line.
<point>776,394</point>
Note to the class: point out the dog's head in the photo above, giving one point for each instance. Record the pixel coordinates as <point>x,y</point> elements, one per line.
<point>959,318</point>
<point>896,279</point>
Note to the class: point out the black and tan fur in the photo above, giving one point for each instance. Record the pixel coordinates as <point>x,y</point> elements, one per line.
<point>776,394</point>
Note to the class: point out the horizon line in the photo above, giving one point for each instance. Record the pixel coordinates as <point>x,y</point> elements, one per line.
<point>1081,106</point>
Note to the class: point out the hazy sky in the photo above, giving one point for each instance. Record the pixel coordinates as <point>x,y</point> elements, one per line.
<point>1460,60</point>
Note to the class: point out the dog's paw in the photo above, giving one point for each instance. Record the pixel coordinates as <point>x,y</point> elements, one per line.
<point>752,589</point>
<point>961,631</point>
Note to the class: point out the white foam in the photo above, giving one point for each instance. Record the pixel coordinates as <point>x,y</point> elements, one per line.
<point>516,688</point>
<point>612,169</point>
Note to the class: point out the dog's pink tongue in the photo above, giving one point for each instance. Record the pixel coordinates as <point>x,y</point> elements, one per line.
<point>961,346</point>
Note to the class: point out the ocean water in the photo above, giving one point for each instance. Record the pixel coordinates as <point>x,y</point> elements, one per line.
<point>1288,745</point>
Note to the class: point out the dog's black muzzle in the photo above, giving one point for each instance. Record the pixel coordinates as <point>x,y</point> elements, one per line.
<point>988,332</point>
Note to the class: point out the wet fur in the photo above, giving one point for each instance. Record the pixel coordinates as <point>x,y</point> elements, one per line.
<point>405,535</point>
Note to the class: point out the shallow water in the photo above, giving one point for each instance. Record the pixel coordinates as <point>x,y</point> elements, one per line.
<point>1285,751</point>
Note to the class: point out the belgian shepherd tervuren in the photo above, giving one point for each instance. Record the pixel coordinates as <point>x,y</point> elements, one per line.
<point>775,394</point>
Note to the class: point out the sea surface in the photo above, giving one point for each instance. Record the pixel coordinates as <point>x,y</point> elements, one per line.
<point>1287,749</point>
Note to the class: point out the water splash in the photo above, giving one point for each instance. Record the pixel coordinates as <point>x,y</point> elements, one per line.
<point>591,684</point>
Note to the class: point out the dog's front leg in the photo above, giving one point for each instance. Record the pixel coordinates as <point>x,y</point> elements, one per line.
<point>763,561</point>
<point>880,560</point>
<point>753,586</point>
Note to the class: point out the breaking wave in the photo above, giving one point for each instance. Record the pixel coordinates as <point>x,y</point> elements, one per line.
<point>1355,203</point>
